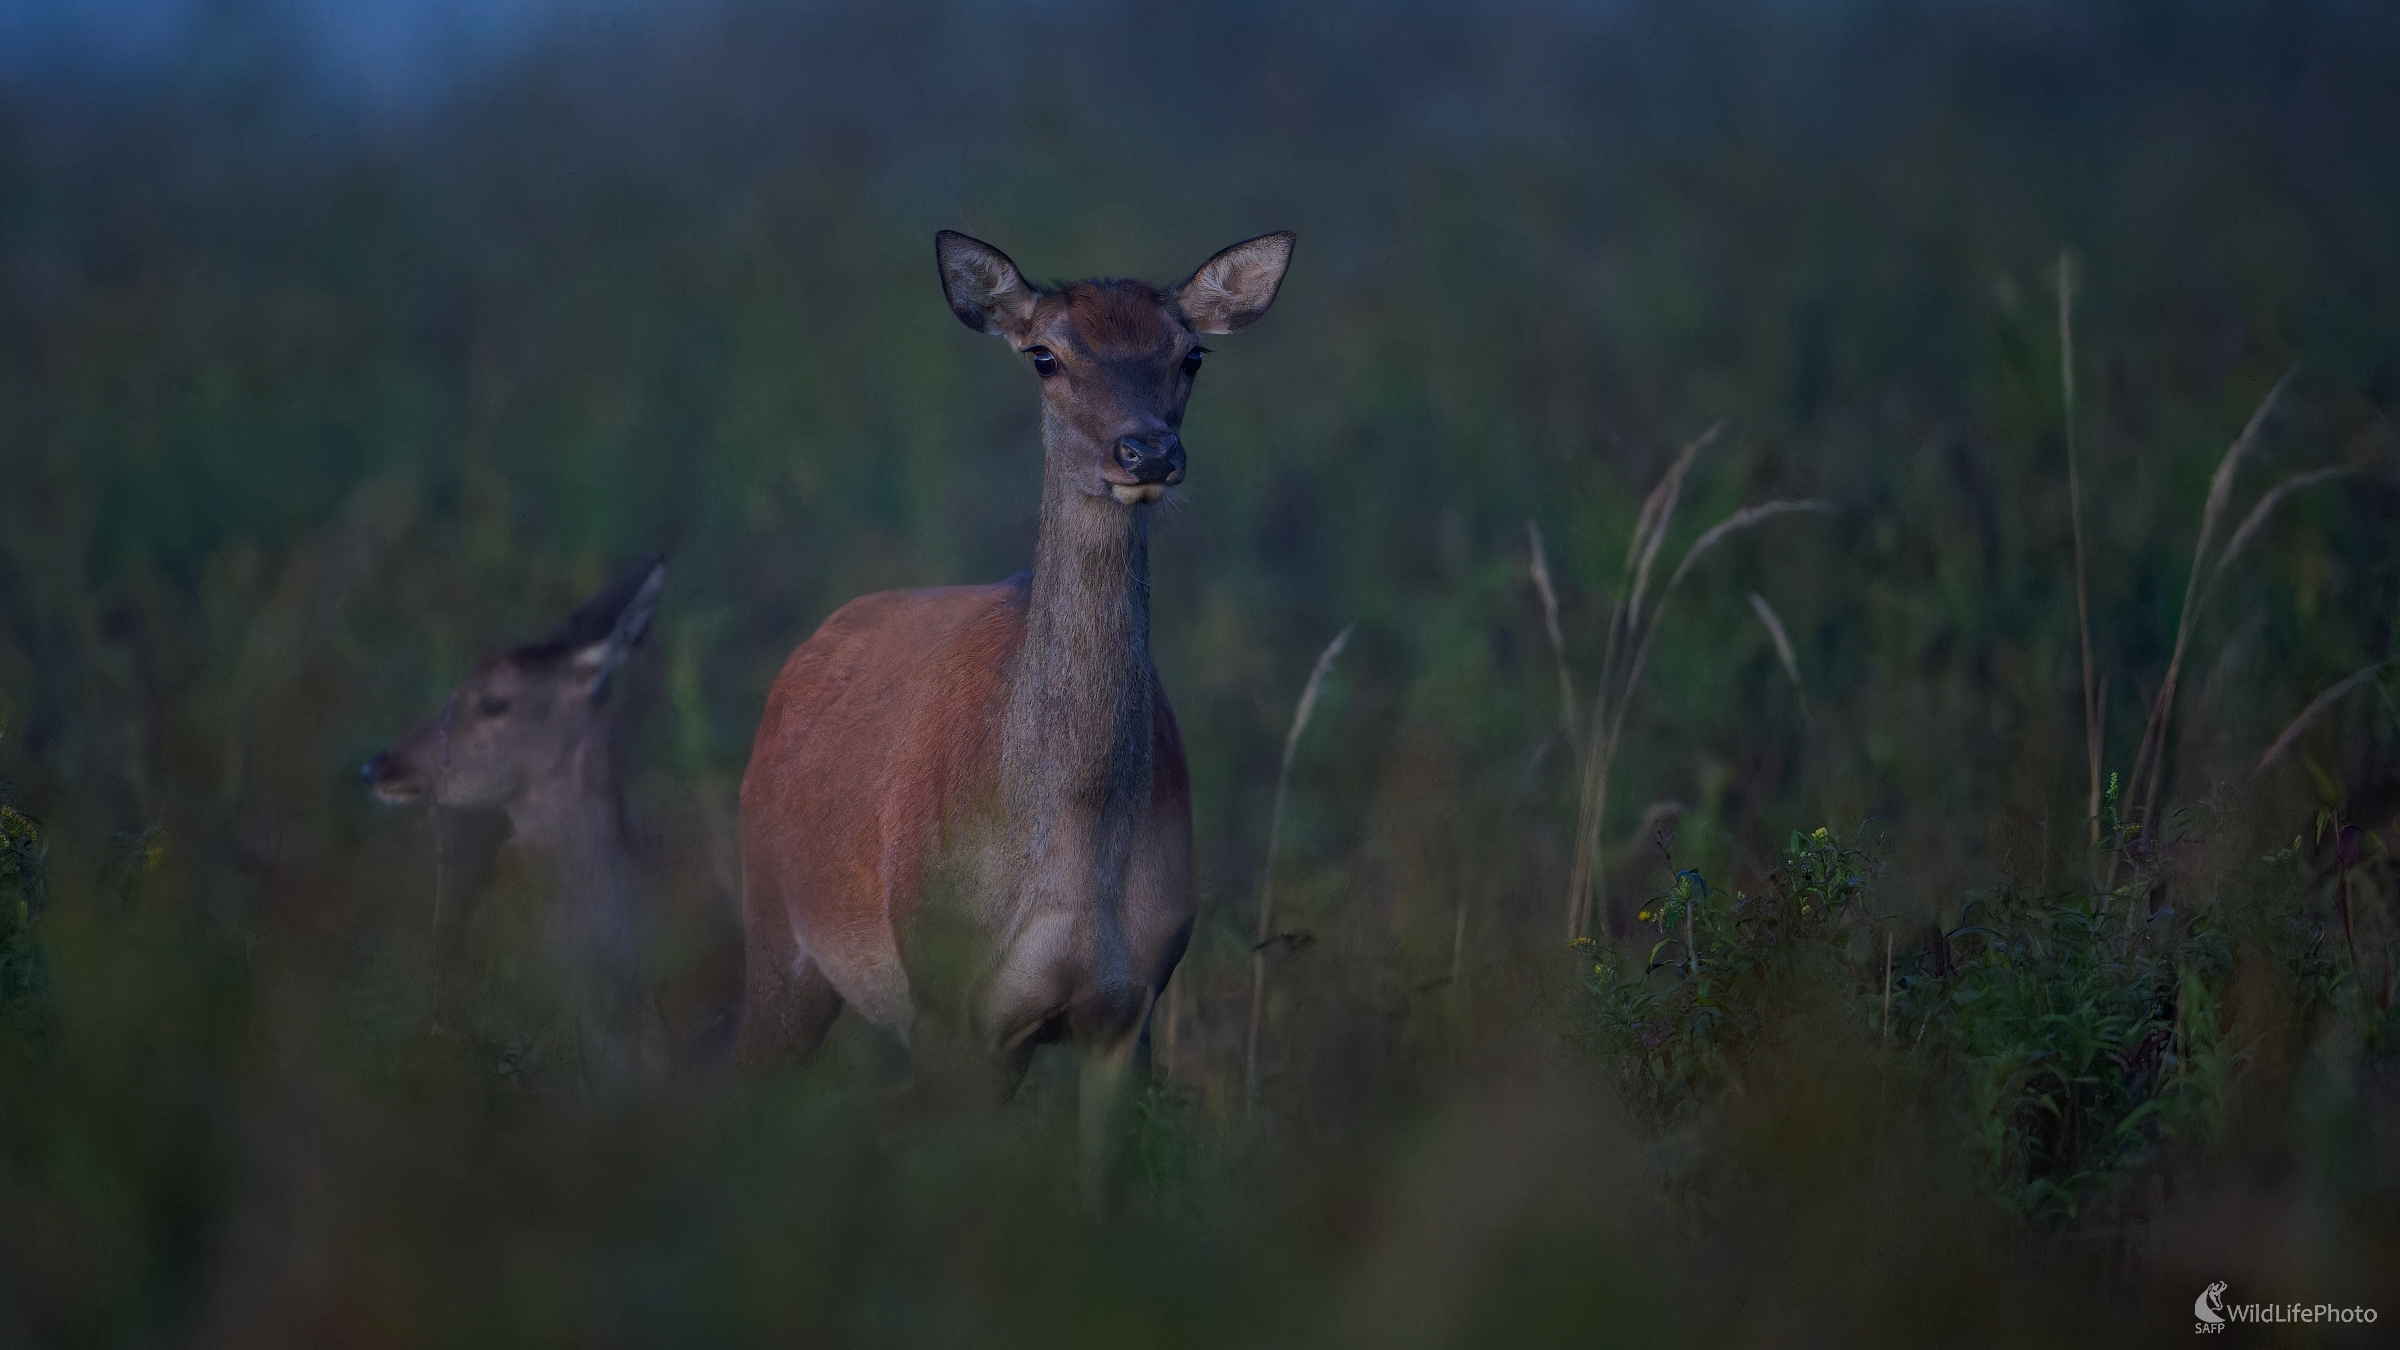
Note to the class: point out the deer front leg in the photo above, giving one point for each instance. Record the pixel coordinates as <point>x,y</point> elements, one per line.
<point>1021,1003</point>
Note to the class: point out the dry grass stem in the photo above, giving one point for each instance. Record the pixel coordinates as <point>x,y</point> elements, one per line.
<point>1558,637</point>
<point>2149,758</point>
<point>1783,642</point>
<point>1266,884</point>
<point>1724,529</point>
<point>1657,510</point>
<point>2257,519</point>
<point>2309,714</point>
<point>1730,525</point>
<point>2220,486</point>
<point>1588,875</point>
<point>1633,626</point>
<point>2093,708</point>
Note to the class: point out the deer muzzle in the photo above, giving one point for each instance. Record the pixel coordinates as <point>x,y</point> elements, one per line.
<point>389,780</point>
<point>1154,463</point>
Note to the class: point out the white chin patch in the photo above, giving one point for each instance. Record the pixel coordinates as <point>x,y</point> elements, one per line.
<point>1136,493</point>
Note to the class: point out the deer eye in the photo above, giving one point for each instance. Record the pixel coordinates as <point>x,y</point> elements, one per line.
<point>490,706</point>
<point>1044,364</point>
<point>1191,360</point>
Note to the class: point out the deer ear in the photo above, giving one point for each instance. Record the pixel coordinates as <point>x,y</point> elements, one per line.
<point>984,288</point>
<point>634,602</point>
<point>1232,289</point>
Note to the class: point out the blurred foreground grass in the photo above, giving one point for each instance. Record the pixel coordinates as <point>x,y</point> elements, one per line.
<point>302,411</point>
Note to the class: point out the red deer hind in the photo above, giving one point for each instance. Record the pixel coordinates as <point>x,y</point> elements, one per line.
<point>966,813</point>
<point>536,731</point>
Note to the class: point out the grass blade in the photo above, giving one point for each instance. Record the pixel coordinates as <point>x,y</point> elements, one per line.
<point>2308,714</point>
<point>1608,724</point>
<point>2152,753</point>
<point>2257,519</point>
<point>2220,486</point>
<point>1783,642</point>
<point>1724,529</point>
<point>1266,884</point>
<point>1558,639</point>
<point>1658,510</point>
<point>1730,525</point>
<point>1649,533</point>
<point>2093,710</point>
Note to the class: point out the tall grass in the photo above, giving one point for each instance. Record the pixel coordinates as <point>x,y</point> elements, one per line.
<point>1632,624</point>
<point>1773,623</point>
<point>2331,695</point>
<point>2094,705</point>
<point>2149,760</point>
<point>1569,722</point>
<point>1266,880</point>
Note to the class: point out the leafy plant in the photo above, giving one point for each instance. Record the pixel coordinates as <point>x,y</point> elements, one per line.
<point>2063,1036</point>
<point>1683,1021</point>
<point>24,971</point>
<point>2338,962</point>
<point>2066,1029</point>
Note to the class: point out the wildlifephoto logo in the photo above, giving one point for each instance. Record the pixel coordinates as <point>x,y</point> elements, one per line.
<point>2215,1314</point>
<point>2210,1307</point>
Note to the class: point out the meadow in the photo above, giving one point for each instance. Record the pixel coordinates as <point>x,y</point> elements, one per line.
<point>1964,907</point>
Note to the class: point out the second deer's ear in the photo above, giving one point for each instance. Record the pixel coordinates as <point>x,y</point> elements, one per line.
<point>984,288</point>
<point>1232,289</point>
<point>601,657</point>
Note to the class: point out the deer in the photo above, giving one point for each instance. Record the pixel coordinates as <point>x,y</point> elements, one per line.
<point>966,814</point>
<point>536,732</point>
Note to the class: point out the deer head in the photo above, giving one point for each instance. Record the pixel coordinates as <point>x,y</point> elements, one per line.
<point>1116,359</point>
<point>528,721</point>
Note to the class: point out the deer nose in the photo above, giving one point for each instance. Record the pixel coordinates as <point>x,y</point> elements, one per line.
<point>373,770</point>
<point>1152,459</point>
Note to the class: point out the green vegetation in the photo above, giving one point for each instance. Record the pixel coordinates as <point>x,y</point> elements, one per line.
<point>306,403</point>
<point>24,974</point>
<point>2060,1037</point>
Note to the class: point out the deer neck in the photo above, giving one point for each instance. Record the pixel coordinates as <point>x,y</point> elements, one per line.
<point>1075,744</point>
<point>572,829</point>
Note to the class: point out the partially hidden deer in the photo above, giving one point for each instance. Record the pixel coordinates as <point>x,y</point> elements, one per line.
<point>966,813</point>
<point>537,732</point>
